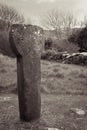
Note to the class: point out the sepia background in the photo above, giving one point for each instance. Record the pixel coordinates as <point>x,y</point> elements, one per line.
<point>63,63</point>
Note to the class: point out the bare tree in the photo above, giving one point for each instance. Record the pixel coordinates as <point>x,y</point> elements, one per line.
<point>60,21</point>
<point>53,21</point>
<point>69,23</point>
<point>10,15</point>
<point>85,21</point>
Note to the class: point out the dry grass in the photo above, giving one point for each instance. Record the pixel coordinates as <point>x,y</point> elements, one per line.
<point>64,79</point>
<point>63,87</point>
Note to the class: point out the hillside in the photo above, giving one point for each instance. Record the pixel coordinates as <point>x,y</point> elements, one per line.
<point>63,87</point>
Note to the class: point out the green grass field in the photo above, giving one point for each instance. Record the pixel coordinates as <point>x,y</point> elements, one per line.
<point>63,87</point>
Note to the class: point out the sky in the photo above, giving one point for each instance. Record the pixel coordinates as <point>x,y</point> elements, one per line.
<point>37,9</point>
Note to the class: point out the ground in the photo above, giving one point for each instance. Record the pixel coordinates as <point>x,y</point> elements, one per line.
<point>63,87</point>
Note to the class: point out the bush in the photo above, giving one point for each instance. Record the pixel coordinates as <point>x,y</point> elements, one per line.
<point>80,38</point>
<point>53,55</point>
<point>65,45</point>
<point>48,44</point>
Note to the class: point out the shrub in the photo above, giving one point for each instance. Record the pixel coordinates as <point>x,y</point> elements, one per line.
<point>52,55</point>
<point>65,45</point>
<point>80,38</point>
<point>48,43</point>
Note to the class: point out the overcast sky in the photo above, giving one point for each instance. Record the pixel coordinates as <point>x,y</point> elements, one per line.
<point>36,9</point>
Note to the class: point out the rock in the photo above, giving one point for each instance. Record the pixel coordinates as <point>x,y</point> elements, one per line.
<point>76,58</point>
<point>77,111</point>
<point>53,129</point>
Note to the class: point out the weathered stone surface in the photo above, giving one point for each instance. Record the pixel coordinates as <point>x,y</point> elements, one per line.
<point>25,42</point>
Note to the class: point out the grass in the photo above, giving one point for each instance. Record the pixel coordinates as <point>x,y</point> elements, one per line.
<point>63,87</point>
<point>60,114</point>
<point>64,79</point>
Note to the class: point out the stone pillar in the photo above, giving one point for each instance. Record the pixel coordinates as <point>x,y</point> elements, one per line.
<point>24,41</point>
